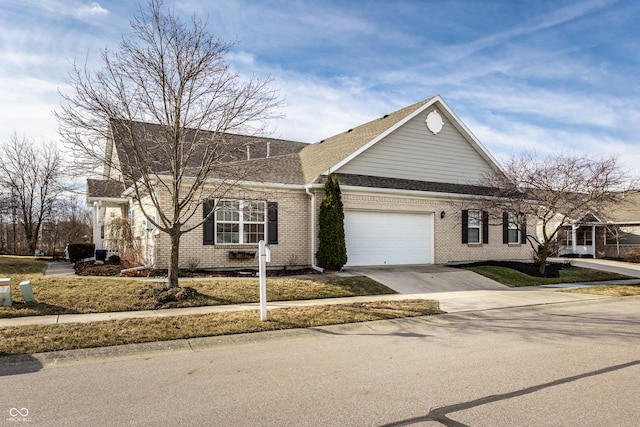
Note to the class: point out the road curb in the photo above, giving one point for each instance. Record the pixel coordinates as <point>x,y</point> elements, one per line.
<point>23,363</point>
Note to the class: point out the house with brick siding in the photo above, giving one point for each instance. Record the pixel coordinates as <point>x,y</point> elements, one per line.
<point>411,190</point>
<point>612,232</point>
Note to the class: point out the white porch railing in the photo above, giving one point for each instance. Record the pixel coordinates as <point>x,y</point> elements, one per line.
<point>110,246</point>
<point>577,250</point>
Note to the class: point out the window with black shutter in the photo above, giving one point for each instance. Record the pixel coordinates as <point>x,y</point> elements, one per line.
<point>514,231</point>
<point>475,226</point>
<point>272,223</point>
<point>208,225</point>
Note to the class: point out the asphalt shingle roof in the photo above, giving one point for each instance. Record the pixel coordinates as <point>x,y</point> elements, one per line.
<point>104,188</point>
<point>625,211</point>
<point>230,147</point>
<point>289,162</point>
<point>408,184</point>
<point>319,157</point>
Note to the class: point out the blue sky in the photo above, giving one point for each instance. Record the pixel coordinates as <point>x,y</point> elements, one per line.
<point>522,75</point>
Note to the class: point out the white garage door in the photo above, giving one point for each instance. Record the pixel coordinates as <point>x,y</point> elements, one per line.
<point>388,238</point>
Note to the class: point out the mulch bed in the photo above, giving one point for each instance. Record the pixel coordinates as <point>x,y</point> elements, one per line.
<point>113,269</point>
<point>528,268</point>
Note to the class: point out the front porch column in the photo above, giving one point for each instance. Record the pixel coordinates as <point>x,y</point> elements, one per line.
<point>97,222</point>
<point>574,245</point>
<point>593,240</point>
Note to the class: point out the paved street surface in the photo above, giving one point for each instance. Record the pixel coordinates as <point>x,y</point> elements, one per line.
<point>570,364</point>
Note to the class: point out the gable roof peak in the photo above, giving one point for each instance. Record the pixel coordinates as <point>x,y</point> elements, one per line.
<point>324,155</point>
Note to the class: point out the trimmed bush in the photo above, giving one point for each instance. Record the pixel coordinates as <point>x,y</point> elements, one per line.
<point>332,249</point>
<point>78,251</point>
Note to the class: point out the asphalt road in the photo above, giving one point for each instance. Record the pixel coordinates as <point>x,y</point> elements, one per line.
<point>574,364</point>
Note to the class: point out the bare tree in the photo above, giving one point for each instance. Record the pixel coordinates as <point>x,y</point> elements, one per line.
<point>555,190</point>
<point>69,222</point>
<point>174,75</point>
<point>30,177</point>
<point>616,232</point>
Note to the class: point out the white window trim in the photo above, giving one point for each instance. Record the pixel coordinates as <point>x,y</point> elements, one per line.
<point>477,226</point>
<point>241,221</point>
<point>568,237</point>
<point>512,224</point>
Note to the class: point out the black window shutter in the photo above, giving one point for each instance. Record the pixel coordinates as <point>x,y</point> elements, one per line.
<point>465,226</point>
<point>505,227</point>
<point>485,227</point>
<point>272,223</point>
<point>209,224</point>
<point>523,230</point>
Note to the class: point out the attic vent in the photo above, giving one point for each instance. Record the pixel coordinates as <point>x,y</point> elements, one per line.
<point>385,116</point>
<point>349,130</point>
<point>321,141</point>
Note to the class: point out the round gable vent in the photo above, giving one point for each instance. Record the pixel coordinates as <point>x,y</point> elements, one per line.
<point>434,122</point>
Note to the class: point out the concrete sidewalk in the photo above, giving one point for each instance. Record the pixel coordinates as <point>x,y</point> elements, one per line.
<point>626,268</point>
<point>451,302</point>
<point>454,301</point>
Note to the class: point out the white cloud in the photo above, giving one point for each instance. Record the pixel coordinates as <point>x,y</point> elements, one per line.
<point>505,139</point>
<point>316,109</point>
<point>555,18</point>
<point>90,10</point>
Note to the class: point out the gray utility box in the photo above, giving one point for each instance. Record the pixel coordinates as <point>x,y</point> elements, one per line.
<point>5,292</point>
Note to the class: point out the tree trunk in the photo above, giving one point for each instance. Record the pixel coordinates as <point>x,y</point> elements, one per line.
<point>32,245</point>
<point>544,254</point>
<point>174,269</point>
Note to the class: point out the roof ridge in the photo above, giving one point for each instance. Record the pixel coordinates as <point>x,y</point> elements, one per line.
<point>146,123</point>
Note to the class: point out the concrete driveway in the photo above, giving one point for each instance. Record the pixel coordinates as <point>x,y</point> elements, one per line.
<point>418,279</point>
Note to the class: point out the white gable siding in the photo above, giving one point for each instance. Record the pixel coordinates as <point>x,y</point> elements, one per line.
<point>414,152</point>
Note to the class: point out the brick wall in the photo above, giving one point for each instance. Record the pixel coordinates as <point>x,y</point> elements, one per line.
<point>293,248</point>
<point>448,246</point>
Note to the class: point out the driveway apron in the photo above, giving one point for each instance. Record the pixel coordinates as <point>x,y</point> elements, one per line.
<point>417,279</point>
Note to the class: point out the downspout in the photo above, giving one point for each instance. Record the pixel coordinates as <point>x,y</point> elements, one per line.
<point>313,230</point>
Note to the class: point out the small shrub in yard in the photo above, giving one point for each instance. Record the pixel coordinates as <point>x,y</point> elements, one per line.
<point>78,251</point>
<point>114,259</point>
<point>634,255</point>
<point>528,268</point>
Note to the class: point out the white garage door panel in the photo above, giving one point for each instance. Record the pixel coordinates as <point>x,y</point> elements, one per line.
<point>388,238</point>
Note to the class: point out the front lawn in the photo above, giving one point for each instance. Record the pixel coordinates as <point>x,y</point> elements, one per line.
<point>62,295</point>
<point>515,278</point>
<point>10,265</point>
<point>67,295</point>
<point>67,336</point>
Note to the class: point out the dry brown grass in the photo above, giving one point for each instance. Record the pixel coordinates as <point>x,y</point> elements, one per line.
<point>608,290</point>
<point>67,295</point>
<point>10,265</point>
<point>44,338</point>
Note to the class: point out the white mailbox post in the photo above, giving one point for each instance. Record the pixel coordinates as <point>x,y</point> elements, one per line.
<point>27,291</point>
<point>265,256</point>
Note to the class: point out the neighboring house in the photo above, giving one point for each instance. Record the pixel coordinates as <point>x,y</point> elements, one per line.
<point>105,196</point>
<point>613,233</point>
<point>410,184</point>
